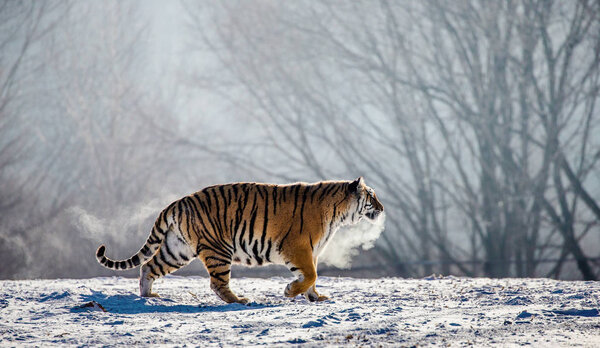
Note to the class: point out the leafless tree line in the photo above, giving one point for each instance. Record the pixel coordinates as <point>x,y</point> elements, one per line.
<point>476,121</point>
<point>77,129</point>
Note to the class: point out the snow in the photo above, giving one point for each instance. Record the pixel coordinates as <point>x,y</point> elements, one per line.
<point>368,312</point>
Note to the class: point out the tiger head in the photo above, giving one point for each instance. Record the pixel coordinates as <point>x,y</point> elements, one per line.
<point>365,202</point>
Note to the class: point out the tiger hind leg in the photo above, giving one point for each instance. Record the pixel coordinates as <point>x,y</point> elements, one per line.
<point>219,269</point>
<point>173,254</point>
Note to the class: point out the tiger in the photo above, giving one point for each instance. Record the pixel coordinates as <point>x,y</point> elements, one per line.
<point>250,224</point>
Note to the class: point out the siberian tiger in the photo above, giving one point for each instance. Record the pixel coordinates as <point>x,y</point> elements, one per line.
<point>251,224</point>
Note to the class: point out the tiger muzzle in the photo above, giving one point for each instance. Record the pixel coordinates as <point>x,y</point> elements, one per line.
<point>372,215</point>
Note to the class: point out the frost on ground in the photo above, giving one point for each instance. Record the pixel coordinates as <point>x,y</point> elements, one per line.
<point>369,312</point>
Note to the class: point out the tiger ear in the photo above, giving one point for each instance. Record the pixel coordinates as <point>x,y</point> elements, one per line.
<point>353,187</point>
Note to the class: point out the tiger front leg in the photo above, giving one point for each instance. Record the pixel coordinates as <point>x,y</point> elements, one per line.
<point>305,271</point>
<point>311,294</point>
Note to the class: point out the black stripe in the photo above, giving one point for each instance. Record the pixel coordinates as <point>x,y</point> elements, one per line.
<point>296,189</point>
<point>304,197</point>
<point>256,255</point>
<point>123,265</point>
<point>218,275</point>
<point>265,222</point>
<point>293,269</point>
<point>283,239</point>
<point>217,259</point>
<point>220,264</point>
<point>268,251</point>
<point>110,263</point>
<point>164,259</point>
<point>225,205</point>
<point>179,212</point>
<point>334,191</point>
<point>224,222</point>
<point>184,257</point>
<point>149,264</point>
<point>220,240</point>
<point>165,212</point>
<point>242,207</point>
<point>315,190</point>
<point>193,215</point>
<point>252,219</point>
<point>218,206</point>
<point>145,250</point>
<point>100,251</point>
<point>135,260</point>
<point>206,211</point>
<point>274,194</point>
<point>241,240</point>
<point>333,216</point>
<point>158,228</point>
<point>238,219</point>
<point>207,195</point>
<point>166,247</point>
<point>222,191</point>
<point>220,252</point>
<point>326,191</point>
<point>163,216</point>
<point>153,240</point>
<point>162,271</point>
<point>214,240</point>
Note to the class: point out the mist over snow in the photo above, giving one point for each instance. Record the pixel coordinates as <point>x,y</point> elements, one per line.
<point>138,217</point>
<point>349,240</point>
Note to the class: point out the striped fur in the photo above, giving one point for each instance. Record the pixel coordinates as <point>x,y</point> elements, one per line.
<point>250,224</point>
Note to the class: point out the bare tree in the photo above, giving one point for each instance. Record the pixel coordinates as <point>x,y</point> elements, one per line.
<point>464,115</point>
<point>77,129</point>
<point>23,25</point>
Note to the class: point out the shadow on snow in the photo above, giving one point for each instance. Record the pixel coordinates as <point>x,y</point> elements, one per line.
<point>134,304</point>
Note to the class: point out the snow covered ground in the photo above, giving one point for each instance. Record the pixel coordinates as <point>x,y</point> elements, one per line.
<point>368,312</point>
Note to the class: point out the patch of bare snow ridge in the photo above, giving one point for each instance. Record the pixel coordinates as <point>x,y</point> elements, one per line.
<point>369,312</point>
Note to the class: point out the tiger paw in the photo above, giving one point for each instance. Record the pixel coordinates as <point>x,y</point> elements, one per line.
<point>152,294</point>
<point>314,297</point>
<point>243,300</point>
<point>287,291</point>
<point>322,298</point>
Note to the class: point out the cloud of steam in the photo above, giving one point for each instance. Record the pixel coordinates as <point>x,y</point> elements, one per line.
<point>119,225</point>
<point>346,242</point>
